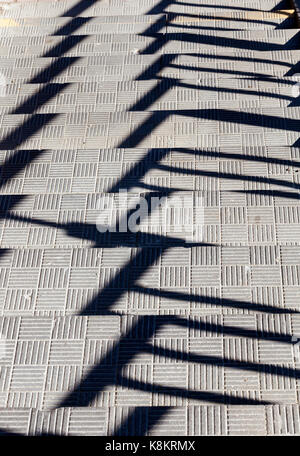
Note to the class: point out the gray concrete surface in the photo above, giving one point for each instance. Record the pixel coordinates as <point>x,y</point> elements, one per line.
<point>151,332</point>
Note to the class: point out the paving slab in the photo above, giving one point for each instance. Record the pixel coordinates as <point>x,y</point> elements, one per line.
<point>183,66</point>
<point>113,43</point>
<point>43,373</point>
<point>82,45</point>
<point>147,24</point>
<point>117,7</point>
<point>187,128</point>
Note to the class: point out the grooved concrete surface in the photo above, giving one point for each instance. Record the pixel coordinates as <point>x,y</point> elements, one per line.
<point>149,332</point>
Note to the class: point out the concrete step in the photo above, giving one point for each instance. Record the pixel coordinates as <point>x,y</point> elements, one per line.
<point>79,69</point>
<point>82,45</point>
<point>41,26</point>
<point>108,170</point>
<point>32,218</point>
<point>117,7</point>
<point>236,186</point>
<point>232,359</point>
<point>168,420</point>
<point>243,291</point>
<point>236,295</point>
<point>257,161</point>
<point>113,43</point>
<point>149,95</point>
<point>187,128</point>
<point>148,24</point>
<point>35,30</point>
<point>230,282</point>
<point>124,67</point>
<point>210,359</point>
<point>83,28</point>
<point>261,21</point>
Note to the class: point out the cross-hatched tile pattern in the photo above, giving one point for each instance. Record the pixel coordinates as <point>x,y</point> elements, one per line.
<point>150,331</point>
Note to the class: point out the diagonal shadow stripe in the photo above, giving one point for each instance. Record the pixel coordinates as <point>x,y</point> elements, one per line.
<point>223,302</point>
<point>218,361</point>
